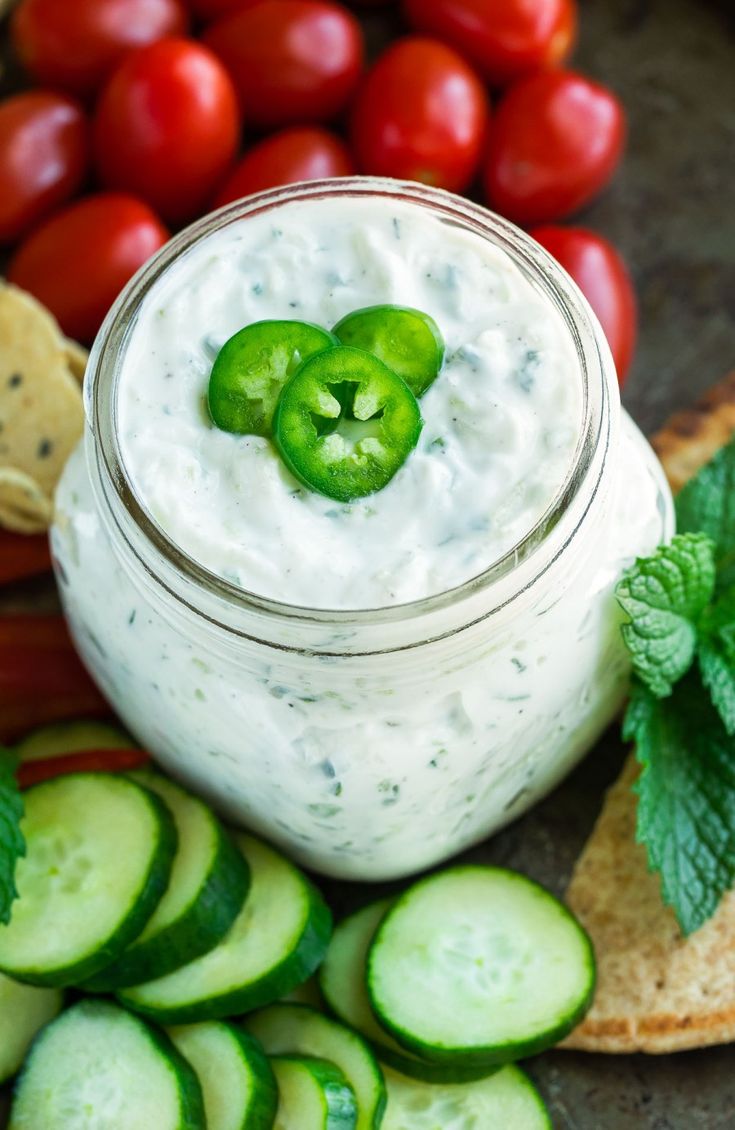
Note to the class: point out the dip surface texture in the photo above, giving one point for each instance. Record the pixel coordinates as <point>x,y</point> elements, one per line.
<point>501,421</point>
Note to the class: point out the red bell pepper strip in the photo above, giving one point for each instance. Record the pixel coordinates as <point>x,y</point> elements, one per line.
<point>23,555</point>
<point>85,761</point>
<point>42,679</point>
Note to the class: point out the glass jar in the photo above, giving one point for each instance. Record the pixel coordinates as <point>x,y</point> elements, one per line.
<point>369,744</point>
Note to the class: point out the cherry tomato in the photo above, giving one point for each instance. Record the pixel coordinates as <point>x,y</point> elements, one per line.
<point>298,154</point>
<point>23,555</point>
<point>42,679</point>
<point>208,10</point>
<point>32,773</point>
<point>75,45</point>
<point>44,157</point>
<point>601,274</point>
<point>557,139</point>
<point>77,262</point>
<point>504,39</point>
<point>420,114</point>
<point>291,60</point>
<point>167,127</point>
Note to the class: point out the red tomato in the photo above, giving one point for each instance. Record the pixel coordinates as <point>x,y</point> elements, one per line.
<point>302,153</point>
<point>504,39</point>
<point>421,114</point>
<point>42,679</point>
<point>208,10</point>
<point>167,127</point>
<point>600,273</point>
<point>291,60</point>
<point>74,45</point>
<point>44,157</point>
<point>32,773</point>
<point>557,139</point>
<point>78,261</point>
<point>23,555</point>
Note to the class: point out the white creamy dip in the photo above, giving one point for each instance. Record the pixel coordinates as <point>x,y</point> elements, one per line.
<point>368,744</point>
<point>501,421</point>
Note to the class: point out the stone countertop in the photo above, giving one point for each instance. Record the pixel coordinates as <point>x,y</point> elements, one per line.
<point>671,211</point>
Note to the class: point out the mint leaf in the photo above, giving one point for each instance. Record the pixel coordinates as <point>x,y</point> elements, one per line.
<point>664,596</point>
<point>707,504</point>
<point>681,602</point>
<point>12,844</point>
<point>717,656</point>
<point>686,796</point>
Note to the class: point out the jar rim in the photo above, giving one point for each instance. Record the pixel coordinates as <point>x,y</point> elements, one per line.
<point>155,549</point>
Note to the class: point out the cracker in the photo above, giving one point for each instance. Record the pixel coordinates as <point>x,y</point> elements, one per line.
<point>41,413</point>
<point>76,359</point>
<point>657,991</point>
<point>24,507</point>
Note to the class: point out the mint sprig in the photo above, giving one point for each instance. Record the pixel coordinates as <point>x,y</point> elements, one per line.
<point>680,607</point>
<point>12,843</point>
<point>707,505</point>
<point>664,596</point>
<point>686,796</point>
<point>716,649</point>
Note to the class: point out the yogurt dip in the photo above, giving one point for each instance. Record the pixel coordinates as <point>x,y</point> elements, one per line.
<point>501,422</point>
<point>376,685</point>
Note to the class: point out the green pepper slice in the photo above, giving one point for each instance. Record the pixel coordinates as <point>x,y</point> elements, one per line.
<point>406,340</point>
<point>345,423</point>
<point>252,367</point>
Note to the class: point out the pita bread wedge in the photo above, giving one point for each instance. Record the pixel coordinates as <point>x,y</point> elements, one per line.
<point>690,438</point>
<point>657,991</point>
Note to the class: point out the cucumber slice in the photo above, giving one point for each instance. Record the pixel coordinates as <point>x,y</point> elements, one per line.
<point>206,892</point>
<point>342,981</point>
<point>506,1100</point>
<point>99,1068</point>
<point>278,940</point>
<point>296,1029</point>
<point>312,1095</point>
<point>507,969</point>
<point>24,1010</point>
<point>237,1082</point>
<point>99,856</point>
<point>72,737</point>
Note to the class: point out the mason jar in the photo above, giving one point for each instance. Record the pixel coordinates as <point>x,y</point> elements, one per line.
<point>368,743</point>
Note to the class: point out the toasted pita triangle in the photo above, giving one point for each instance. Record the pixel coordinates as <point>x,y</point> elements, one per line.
<point>657,991</point>
<point>690,438</point>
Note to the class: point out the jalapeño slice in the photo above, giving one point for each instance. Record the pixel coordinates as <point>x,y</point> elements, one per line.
<point>252,367</point>
<point>406,340</point>
<point>345,423</point>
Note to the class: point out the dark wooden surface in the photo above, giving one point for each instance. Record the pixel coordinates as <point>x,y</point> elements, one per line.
<point>672,211</point>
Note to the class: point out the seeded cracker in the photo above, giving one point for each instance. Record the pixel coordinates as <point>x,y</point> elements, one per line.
<point>41,414</point>
<point>76,359</point>
<point>657,991</point>
<point>23,505</point>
